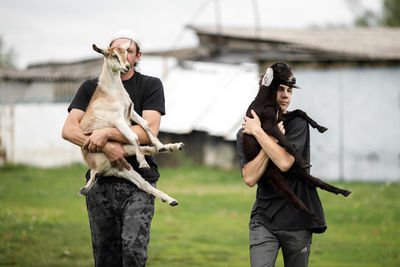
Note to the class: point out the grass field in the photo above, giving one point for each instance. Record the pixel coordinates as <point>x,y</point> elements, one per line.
<point>43,222</point>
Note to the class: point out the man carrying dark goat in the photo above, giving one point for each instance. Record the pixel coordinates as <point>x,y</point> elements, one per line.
<point>275,223</point>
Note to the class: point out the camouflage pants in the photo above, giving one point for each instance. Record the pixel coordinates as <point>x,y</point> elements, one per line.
<point>120,216</point>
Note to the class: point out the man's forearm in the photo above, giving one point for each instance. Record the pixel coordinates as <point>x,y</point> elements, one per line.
<point>282,159</point>
<point>254,169</point>
<point>74,134</point>
<point>115,135</point>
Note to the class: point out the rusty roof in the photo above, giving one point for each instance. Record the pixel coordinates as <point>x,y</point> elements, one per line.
<point>367,43</point>
<point>68,71</point>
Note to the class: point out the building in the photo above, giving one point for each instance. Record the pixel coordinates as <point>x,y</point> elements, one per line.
<point>350,80</point>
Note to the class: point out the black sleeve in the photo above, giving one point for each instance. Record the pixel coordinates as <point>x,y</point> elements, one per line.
<point>83,95</point>
<point>239,149</point>
<point>154,96</point>
<point>296,133</point>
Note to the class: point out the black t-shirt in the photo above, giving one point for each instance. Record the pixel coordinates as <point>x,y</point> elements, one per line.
<point>276,212</point>
<point>146,93</point>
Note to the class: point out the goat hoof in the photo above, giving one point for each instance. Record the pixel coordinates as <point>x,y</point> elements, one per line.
<point>322,129</point>
<point>174,203</point>
<point>304,165</point>
<point>144,166</point>
<point>83,191</point>
<point>346,193</point>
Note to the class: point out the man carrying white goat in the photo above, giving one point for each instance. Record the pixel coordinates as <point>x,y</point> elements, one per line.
<point>120,214</point>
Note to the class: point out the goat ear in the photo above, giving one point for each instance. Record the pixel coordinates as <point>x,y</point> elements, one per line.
<point>127,44</point>
<point>99,50</point>
<point>268,77</point>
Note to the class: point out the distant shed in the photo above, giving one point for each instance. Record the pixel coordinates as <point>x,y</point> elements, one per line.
<point>316,46</point>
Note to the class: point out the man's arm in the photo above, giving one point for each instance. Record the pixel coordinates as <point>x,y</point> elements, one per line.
<point>73,133</point>
<point>98,138</point>
<point>282,159</point>
<point>253,170</point>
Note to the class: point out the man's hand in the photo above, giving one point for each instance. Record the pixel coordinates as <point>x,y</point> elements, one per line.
<point>96,140</point>
<point>281,127</point>
<point>251,125</point>
<point>116,154</point>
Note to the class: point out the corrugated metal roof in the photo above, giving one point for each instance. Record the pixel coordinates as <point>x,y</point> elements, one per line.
<point>74,71</point>
<point>371,43</point>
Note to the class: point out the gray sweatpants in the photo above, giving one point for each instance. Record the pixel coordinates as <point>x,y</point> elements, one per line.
<point>265,244</point>
<point>120,216</point>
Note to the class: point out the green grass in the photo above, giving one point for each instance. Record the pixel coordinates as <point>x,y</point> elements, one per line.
<point>43,222</point>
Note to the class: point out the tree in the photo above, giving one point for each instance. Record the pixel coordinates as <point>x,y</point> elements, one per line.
<point>390,16</point>
<point>391,13</point>
<point>367,19</point>
<point>7,57</point>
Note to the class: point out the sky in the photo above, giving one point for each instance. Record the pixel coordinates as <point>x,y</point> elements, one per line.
<point>40,31</point>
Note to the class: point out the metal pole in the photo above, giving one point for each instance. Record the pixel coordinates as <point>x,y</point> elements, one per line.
<point>257,28</point>
<point>218,25</point>
<point>341,133</point>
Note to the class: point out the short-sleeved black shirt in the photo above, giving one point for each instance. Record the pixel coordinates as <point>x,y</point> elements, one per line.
<point>276,212</point>
<point>146,93</point>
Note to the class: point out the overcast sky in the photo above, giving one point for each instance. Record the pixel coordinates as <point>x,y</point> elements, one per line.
<point>51,30</point>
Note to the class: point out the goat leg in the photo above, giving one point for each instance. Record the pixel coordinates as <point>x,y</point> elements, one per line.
<point>151,150</point>
<point>93,177</point>
<point>142,184</point>
<point>314,181</point>
<point>142,122</point>
<point>299,112</point>
<point>123,127</point>
<point>284,142</point>
<point>281,186</point>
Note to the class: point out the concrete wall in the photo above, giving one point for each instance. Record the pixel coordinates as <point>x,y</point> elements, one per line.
<point>31,134</point>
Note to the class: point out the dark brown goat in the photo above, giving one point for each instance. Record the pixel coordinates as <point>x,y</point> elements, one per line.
<point>268,110</point>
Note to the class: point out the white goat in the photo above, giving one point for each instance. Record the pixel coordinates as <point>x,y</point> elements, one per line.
<point>111,106</point>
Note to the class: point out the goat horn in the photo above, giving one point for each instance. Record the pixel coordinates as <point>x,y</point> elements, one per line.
<point>99,50</point>
<point>127,44</point>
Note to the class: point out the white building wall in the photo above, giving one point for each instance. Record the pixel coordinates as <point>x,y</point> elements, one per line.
<point>12,92</point>
<point>31,134</point>
<point>360,107</point>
